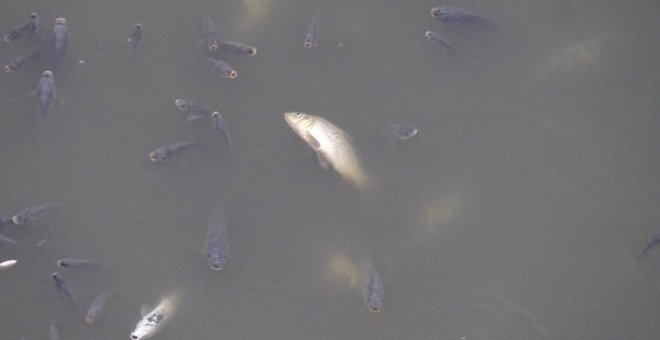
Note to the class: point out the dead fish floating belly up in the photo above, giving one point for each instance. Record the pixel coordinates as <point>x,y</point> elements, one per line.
<point>332,145</point>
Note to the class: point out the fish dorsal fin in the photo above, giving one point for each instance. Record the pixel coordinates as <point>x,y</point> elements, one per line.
<point>313,142</point>
<point>324,162</point>
<point>144,310</point>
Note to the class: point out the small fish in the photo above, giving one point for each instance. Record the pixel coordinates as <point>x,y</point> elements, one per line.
<point>71,263</point>
<point>402,131</point>
<point>223,69</point>
<point>28,214</point>
<point>238,48</point>
<point>440,40</point>
<point>165,151</point>
<point>15,33</point>
<point>650,245</point>
<point>452,14</point>
<point>16,62</point>
<point>217,244</point>
<point>60,37</point>
<point>194,110</point>
<point>6,240</point>
<point>46,92</point>
<point>136,36</point>
<point>332,145</point>
<point>156,319</point>
<point>95,309</point>
<point>310,35</point>
<point>220,125</point>
<point>210,34</point>
<point>53,332</point>
<point>63,287</point>
<point>7,264</point>
<point>373,291</point>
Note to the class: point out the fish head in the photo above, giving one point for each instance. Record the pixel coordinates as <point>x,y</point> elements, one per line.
<point>60,21</point>
<point>216,259</point>
<point>299,121</point>
<point>20,218</point>
<point>181,104</point>
<point>140,333</point>
<point>310,40</point>
<point>47,74</point>
<point>158,155</point>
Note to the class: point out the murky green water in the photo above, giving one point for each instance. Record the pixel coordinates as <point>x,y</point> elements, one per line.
<point>516,212</point>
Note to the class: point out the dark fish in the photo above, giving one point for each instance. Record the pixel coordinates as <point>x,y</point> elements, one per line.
<point>63,287</point>
<point>15,33</point>
<point>16,62</point>
<point>238,48</point>
<point>165,151</point>
<point>373,291</point>
<point>223,69</point>
<point>32,25</point>
<point>402,131</point>
<point>217,243</point>
<point>6,240</point>
<point>136,36</point>
<point>439,40</point>
<point>210,34</point>
<point>194,110</point>
<point>649,246</point>
<point>312,29</point>
<point>60,37</point>
<point>28,214</point>
<point>71,263</point>
<point>452,14</point>
<point>220,125</point>
<point>95,309</point>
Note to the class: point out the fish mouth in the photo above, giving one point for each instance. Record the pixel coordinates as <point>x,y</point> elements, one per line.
<point>15,219</point>
<point>60,21</point>
<point>216,267</point>
<point>308,44</point>
<point>7,68</point>
<point>213,47</point>
<point>435,12</point>
<point>180,104</point>
<point>252,51</point>
<point>153,157</point>
<point>375,309</point>
<point>233,74</point>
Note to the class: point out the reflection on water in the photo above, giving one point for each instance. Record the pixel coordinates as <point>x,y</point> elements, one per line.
<point>516,212</point>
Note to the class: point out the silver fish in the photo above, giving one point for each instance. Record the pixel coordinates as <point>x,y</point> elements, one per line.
<point>7,264</point>
<point>165,151</point>
<point>95,309</point>
<point>46,92</point>
<point>210,34</point>
<point>156,319</point>
<point>217,243</point>
<point>63,287</point>
<point>332,145</point>
<point>238,48</point>
<point>6,240</point>
<point>194,110</point>
<point>220,125</point>
<point>28,214</point>
<point>60,37</point>
<point>439,40</point>
<point>452,14</point>
<point>16,62</point>
<point>373,291</point>
<point>309,41</point>
<point>136,36</point>
<point>223,69</point>
<point>71,263</point>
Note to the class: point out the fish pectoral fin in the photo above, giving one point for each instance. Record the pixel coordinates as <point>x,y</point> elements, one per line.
<point>313,142</point>
<point>324,162</point>
<point>144,310</point>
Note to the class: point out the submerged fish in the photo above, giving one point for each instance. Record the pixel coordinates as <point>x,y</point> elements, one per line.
<point>63,287</point>
<point>238,48</point>
<point>16,62</point>
<point>7,264</point>
<point>6,240</point>
<point>165,151</point>
<point>136,36</point>
<point>217,243</point>
<point>309,41</point>
<point>210,34</point>
<point>32,25</point>
<point>332,145</point>
<point>71,263</point>
<point>439,40</point>
<point>28,214</point>
<point>401,131</point>
<point>46,93</point>
<point>373,290</point>
<point>452,13</point>
<point>194,110</point>
<point>220,125</point>
<point>154,320</point>
<point>223,69</point>
<point>650,245</point>
<point>60,38</point>
<point>95,309</point>
<point>53,332</point>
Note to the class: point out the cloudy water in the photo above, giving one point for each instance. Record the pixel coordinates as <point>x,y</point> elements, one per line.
<point>516,212</point>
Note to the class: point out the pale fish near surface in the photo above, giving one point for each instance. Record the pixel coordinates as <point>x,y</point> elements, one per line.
<point>7,264</point>
<point>332,145</point>
<point>153,321</point>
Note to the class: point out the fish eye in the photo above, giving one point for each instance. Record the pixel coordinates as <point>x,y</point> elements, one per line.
<point>133,336</point>
<point>299,114</point>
